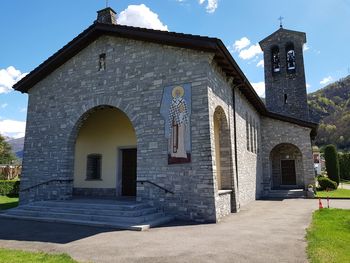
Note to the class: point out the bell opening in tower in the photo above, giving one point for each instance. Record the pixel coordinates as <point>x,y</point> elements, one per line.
<point>276,65</point>
<point>290,57</point>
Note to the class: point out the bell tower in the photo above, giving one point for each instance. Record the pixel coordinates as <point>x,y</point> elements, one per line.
<point>285,85</point>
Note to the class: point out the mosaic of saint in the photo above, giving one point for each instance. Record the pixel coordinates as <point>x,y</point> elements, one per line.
<point>176,110</point>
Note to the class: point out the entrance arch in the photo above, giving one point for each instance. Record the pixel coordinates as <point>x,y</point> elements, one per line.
<point>286,166</point>
<point>105,154</point>
<point>223,156</point>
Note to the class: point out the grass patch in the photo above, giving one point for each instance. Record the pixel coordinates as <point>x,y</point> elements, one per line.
<point>8,202</point>
<point>329,236</point>
<point>18,256</point>
<point>339,193</point>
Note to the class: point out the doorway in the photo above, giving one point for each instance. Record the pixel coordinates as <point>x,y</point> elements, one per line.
<point>288,172</point>
<point>129,162</point>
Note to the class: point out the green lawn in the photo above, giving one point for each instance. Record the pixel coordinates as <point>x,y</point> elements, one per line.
<point>18,256</point>
<point>8,202</point>
<point>329,236</point>
<point>339,193</point>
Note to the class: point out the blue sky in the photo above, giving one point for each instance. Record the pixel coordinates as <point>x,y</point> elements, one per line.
<point>31,31</point>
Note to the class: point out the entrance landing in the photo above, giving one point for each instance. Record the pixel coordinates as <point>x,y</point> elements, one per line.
<point>124,213</point>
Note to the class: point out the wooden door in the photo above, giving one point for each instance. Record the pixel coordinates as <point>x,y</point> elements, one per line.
<point>288,172</point>
<point>129,157</point>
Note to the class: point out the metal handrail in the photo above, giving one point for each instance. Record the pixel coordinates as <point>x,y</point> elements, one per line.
<point>156,185</point>
<point>47,182</point>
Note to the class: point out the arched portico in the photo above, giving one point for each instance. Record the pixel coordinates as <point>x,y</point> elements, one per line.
<point>286,162</point>
<point>105,153</point>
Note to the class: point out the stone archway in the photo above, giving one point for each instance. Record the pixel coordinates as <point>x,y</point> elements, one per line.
<point>286,166</point>
<point>223,155</point>
<point>105,153</point>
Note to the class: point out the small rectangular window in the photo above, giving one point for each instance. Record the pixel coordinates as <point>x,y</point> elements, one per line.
<point>102,62</point>
<point>256,137</point>
<point>251,134</point>
<point>247,130</point>
<point>93,167</point>
<point>254,142</point>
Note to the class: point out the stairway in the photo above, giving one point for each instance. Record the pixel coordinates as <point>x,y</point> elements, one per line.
<point>119,214</point>
<point>286,193</point>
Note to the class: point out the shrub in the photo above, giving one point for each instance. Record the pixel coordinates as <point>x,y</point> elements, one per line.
<point>344,166</point>
<point>332,163</point>
<point>9,187</point>
<point>325,183</point>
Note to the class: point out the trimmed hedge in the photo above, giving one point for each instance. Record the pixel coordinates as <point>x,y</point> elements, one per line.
<point>325,183</point>
<point>344,165</point>
<point>332,163</point>
<point>9,187</point>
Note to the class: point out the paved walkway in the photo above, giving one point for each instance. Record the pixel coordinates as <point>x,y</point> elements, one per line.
<point>344,186</point>
<point>264,231</point>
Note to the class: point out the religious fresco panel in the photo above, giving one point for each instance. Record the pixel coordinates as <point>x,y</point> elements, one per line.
<point>176,110</point>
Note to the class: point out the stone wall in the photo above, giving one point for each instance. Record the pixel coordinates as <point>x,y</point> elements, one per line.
<point>249,162</point>
<point>223,204</point>
<point>220,98</point>
<point>274,133</point>
<point>133,81</point>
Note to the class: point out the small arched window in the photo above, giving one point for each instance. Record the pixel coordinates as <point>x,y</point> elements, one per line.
<point>275,57</point>
<point>290,58</point>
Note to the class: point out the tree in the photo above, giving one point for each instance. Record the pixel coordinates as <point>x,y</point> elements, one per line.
<point>6,155</point>
<point>332,163</point>
<point>344,165</point>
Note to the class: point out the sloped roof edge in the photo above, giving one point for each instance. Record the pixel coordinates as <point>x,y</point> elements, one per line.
<point>201,43</point>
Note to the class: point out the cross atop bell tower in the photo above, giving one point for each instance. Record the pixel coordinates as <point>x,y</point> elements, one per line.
<point>285,85</point>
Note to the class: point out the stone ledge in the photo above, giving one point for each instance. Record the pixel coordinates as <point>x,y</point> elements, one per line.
<point>224,192</point>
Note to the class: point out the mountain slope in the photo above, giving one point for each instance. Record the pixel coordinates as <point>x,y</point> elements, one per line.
<point>17,146</point>
<point>330,107</point>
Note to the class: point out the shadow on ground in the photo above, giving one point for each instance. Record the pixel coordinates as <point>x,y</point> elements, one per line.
<point>26,230</point>
<point>60,233</point>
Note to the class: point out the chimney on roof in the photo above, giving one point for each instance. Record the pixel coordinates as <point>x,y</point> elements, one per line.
<point>106,16</point>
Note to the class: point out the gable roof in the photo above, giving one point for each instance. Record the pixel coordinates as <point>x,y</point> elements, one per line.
<point>280,31</point>
<point>207,44</point>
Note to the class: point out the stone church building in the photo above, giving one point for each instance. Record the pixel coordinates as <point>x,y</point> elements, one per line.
<point>167,118</point>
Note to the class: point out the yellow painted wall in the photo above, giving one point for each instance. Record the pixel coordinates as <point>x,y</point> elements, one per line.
<point>103,132</point>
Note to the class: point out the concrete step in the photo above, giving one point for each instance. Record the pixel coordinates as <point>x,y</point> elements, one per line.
<point>129,215</point>
<point>115,225</point>
<point>89,204</point>
<point>131,219</point>
<point>88,211</point>
<point>282,193</point>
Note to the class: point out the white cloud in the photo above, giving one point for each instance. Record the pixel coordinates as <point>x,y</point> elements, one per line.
<point>212,5</point>
<point>308,85</point>
<point>326,80</point>
<point>260,63</point>
<point>250,52</point>
<point>24,109</point>
<point>305,47</point>
<point>9,77</point>
<point>259,87</point>
<point>241,43</point>
<point>12,128</point>
<point>141,16</point>
<point>4,105</point>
